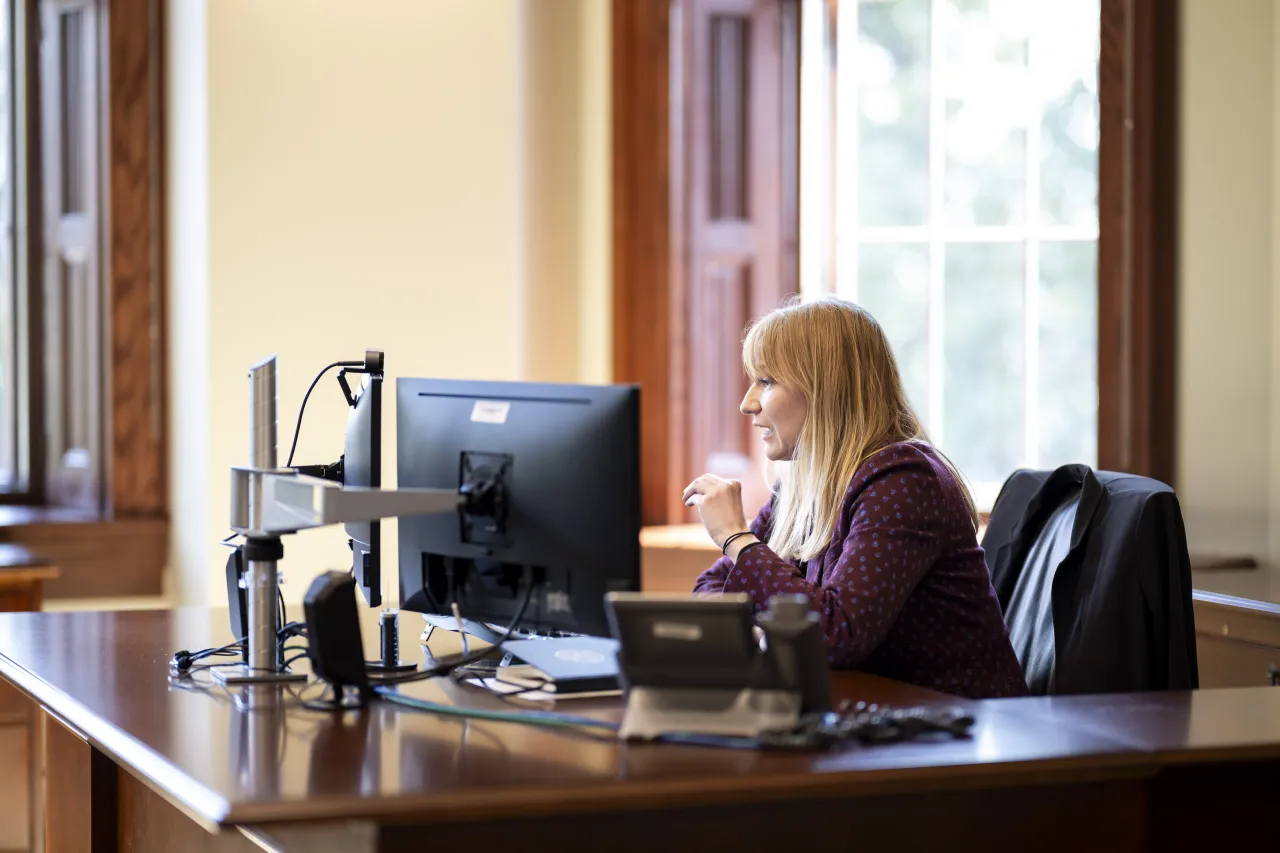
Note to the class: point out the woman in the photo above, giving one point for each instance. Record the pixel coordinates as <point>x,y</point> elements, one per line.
<point>867,519</point>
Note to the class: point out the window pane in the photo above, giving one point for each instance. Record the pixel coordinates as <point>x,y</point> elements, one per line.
<point>986,89</point>
<point>1068,354</point>
<point>983,355</point>
<point>1066,80</point>
<point>893,284</point>
<point>8,304</point>
<point>891,74</point>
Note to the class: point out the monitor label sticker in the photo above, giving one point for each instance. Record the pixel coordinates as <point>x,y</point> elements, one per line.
<point>684,631</point>
<point>490,412</point>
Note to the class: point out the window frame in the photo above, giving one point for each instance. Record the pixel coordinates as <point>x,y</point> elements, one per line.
<point>837,236</point>
<point>120,546</point>
<point>1137,239</point>
<point>28,236</point>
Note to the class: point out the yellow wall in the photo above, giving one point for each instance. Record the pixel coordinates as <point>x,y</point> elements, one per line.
<point>430,180</point>
<point>1229,388</point>
<point>447,160</point>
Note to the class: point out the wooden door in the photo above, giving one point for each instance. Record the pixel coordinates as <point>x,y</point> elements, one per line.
<point>736,135</point>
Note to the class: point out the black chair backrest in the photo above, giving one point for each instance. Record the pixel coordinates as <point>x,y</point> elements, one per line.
<point>1092,573</point>
<point>1029,612</point>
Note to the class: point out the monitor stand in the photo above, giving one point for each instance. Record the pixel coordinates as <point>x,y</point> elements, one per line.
<point>470,627</point>
<point>559,654</point>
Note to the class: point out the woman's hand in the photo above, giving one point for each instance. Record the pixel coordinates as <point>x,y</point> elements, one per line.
<point>719,503</point>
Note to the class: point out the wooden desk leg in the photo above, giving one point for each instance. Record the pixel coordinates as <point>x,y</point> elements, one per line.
<point>81,791</point>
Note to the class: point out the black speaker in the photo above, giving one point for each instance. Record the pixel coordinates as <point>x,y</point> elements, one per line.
<point>238,599</point>
<point>333,636</point>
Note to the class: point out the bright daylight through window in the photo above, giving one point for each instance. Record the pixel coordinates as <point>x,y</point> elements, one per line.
<point>949,181</point>
<point>9,413</point>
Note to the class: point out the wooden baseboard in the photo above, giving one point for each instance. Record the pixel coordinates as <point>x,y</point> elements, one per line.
<point>96,557</point>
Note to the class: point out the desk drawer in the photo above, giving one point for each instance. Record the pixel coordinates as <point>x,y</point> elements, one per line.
<point>1227,663</point>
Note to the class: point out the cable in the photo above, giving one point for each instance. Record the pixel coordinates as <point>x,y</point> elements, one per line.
<point>183,659</point>
<point>542,718</point>
<point>314,382</point>
<point>448,666</point>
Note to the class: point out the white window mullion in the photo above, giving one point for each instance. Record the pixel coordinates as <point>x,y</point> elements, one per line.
<point>1031,271</point>
<point>817,148</point>
<point>975,234</point>
<point>846,141</point>
<point>937,214</point>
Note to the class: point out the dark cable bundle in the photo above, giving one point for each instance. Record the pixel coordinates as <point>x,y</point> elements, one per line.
<point>182,660</point>
<point>870,724</point>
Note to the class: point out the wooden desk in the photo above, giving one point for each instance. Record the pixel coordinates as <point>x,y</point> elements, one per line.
<point>137,763</point>
<point>22,578</point>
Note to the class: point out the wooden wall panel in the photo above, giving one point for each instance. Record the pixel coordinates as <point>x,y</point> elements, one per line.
<point>645,326</point>
<point>705,114</point>
<point>70,258</point>
<point>733,197</point>
<point>135,281</point>
<point>15,786</point>
<point>1137,244</point>
<point>123,557</point>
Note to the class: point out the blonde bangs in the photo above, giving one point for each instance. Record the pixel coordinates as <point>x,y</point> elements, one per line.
<point>763,350</point>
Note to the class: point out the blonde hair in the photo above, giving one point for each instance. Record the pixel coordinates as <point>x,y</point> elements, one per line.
<point>837,356</point>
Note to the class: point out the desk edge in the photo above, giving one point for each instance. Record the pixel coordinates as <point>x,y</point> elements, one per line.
<point>198,802</point>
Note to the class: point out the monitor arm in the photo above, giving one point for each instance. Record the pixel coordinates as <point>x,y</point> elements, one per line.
<point>333,471</point>
<point>268,502</point>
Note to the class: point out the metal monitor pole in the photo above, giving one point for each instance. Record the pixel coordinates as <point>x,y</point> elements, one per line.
<point>261,552</point>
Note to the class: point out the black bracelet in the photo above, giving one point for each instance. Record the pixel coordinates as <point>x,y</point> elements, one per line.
<point>745,548</point>
<point>724,549</point>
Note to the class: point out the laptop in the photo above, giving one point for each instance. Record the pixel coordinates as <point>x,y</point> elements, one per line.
<point>569,664</point>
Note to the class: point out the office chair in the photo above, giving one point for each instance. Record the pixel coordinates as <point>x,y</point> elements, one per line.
<point>1092,572</point>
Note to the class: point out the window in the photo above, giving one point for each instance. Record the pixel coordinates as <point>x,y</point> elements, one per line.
<point>949,183</point>
<point>9,344</point>
<point>82,423</point>
<point>1000,189</point>
<point>52,312</point>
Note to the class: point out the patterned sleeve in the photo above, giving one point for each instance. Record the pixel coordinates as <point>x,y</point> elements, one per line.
<point>713,579</point>
<point>895,523</point>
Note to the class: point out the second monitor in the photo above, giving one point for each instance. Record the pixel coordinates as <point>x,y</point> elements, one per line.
<point>553,472</point>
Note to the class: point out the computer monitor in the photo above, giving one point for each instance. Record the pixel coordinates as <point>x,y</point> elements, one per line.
<point>362,466</point>
<point>555,470</point>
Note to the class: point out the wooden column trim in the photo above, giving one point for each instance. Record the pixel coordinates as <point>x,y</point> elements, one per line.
<point>136,460</point>
<point>648,341</point>
<point>1137,245</point>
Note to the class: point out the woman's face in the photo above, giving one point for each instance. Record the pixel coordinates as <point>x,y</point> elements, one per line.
<point>778,412</point>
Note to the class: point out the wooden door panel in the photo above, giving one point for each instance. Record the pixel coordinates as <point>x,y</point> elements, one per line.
<point>734,198</point>
<point>705,208</point>
<point>70,147</point>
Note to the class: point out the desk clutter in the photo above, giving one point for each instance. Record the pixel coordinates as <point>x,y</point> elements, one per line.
<point>550,550</point>
<point>692,670</point>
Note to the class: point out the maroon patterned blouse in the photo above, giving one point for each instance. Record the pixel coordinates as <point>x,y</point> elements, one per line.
<point>903,590</point>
